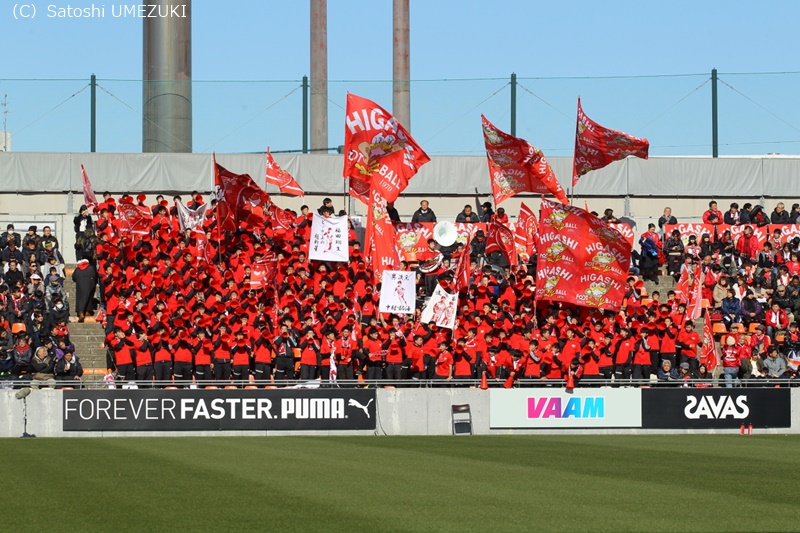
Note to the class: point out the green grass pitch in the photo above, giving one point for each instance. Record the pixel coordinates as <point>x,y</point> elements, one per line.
<point>481,483</point>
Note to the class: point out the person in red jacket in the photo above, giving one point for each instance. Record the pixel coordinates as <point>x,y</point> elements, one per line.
<point>444,363</point>
<point>183,360</point>
<point>143,353</point>
<point>309,355</point>
<point>375,355</point>
<point>777,320</point>
<point>202,350</point>
<point>394,347</point>
<point>641,357</point>
<point>462,361</point>
<point>688,342</point>
<point>122,347</point>
<point>747,245</point>
<point>731,359</point>
<point>242,353</point>
<point>713,215</point>
<point>623,356</point>
<point>344,354</point>
<point>669,336</point>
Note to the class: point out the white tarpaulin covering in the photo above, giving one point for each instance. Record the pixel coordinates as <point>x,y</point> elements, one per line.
<point>30,172</point>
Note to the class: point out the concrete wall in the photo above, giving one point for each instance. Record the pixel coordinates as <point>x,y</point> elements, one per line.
<point>399,412</point>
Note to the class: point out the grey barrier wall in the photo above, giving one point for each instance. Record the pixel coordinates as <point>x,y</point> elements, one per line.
<point>422,411</point>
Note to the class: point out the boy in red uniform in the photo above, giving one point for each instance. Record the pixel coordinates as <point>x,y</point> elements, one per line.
<point>688,342</point>
<point>444,363</point>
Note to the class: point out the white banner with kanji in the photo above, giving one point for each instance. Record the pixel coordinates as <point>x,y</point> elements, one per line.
<point>328,239</point>
<point>398,292</point>
<point>441,309</point>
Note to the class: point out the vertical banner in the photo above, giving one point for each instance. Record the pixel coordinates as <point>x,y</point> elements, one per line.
<point>191,219</point>
<point>328,239</point>
<point>441,309</point>
<point>398,292</point>
<point>89,199</point>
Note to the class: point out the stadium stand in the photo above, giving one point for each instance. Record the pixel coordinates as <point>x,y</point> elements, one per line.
<point>179,308</point>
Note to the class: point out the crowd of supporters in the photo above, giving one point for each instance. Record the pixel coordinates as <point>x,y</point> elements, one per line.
<point>183,305</point>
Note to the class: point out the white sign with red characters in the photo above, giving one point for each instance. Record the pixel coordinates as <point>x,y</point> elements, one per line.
<point>397,292</point>
<point>328,239</point>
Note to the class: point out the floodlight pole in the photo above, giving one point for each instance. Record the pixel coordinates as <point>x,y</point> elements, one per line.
<point>714,130</point>
<point>93,116</point>
<point>513,104</point>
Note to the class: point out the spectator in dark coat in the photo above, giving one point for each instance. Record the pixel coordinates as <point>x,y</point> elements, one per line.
<point>467,215</point>
<point>424,213</point>
<point>85,278</point>
<point>8,236</point>
<point>69,370</point>
<point>780,215</point>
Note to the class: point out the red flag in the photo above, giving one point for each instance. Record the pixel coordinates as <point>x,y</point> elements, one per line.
<point>500,239</point>
<point>359,189</point>
<point>461,276</point>
<point>581,260</point>
<point>282,179</point>
<point>379,239</point>
<point>280,219</point>
<point>378,149</point>
<point>135,219</point>
<point>694,306</point>
<point>708,352</point>
<point>239,199</point>
<point>263,271</point>
<point>526,232</point>
<point>89,199</point>
<point>517,166</point>
<point>596,146</point>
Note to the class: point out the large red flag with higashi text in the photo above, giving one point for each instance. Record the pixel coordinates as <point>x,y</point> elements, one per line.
<point>378,149</point>
<point>379,238</point>
<point>581,260</point>
<point>517,166</point>
<point>282,179</point>
<point>596,146</point>
<point>89,199</point>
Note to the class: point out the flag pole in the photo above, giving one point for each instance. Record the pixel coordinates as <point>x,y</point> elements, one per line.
<point>216,213</point>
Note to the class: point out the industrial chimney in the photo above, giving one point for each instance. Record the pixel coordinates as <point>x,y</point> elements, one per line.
<point>167,77</point>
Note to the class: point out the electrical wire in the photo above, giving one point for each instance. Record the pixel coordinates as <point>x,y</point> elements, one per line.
<point>426,141</point>
<point>548,104</point>
<point>279,100</point>
<point>670,108</point>
<point>118,99</point>
<point>734,89</point>
<point>16,133</point>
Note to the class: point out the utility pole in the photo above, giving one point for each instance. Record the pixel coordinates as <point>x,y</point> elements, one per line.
<point>5,123</point>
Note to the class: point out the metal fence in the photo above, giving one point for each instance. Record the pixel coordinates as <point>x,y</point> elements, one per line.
<point>756,112</point>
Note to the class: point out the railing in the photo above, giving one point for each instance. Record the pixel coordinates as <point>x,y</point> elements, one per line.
<point>403,383</point>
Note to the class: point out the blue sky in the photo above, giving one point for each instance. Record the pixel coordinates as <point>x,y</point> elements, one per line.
<point>623,58</point>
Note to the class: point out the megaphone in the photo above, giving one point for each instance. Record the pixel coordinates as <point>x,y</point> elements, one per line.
<point>444,233</point>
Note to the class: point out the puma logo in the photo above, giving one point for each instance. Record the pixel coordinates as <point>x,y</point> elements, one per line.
<point>354,403</point>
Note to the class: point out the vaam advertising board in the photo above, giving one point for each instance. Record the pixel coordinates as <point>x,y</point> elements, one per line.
<point>558,409</point>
